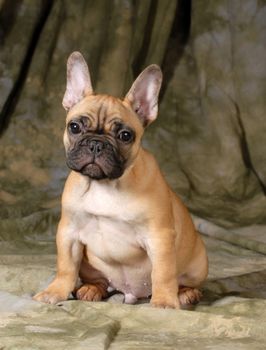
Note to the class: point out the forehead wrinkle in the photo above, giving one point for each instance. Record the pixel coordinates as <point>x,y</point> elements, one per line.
<point>107,109</point>
<point>103,111</point>
<point>101,116</point>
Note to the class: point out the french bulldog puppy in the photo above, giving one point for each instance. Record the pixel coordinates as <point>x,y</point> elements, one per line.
<point>122,227</point>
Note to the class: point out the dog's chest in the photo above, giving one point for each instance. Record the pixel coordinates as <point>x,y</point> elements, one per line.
<point>107,201</point>
<point>112,225</point>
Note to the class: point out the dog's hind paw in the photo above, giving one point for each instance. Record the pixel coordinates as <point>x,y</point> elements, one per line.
<point>189,296</point>
<point>90,292</point>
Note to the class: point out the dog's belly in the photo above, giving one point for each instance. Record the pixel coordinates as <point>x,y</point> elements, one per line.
<point>116,249</point>
<point>134,280</point>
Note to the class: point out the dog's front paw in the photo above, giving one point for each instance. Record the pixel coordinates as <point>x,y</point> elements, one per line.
<point>165,302</point>
<point>49,297</point>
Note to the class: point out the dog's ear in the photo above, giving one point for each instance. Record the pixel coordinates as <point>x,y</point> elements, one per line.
<point>78,80</point>
<point>143,95</point>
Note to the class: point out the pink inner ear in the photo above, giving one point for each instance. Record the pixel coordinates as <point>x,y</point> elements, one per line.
<point>143,95</point>
<point>78,81</point>
<point>142,108</point>
<point>145,98</point>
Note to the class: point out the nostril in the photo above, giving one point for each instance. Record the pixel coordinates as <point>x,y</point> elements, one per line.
<point>92,146</point>
<point>96,147</point>
<point>99,147</point>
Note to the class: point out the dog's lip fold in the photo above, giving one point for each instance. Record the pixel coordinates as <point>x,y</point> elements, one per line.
<point>93,170</point>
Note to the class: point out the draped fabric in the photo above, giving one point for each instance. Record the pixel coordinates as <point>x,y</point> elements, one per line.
<point>209,136</point>
<point>209,139</point>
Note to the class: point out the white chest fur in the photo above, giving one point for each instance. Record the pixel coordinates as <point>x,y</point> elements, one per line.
<point>105,199</point>
<point>110,222</point>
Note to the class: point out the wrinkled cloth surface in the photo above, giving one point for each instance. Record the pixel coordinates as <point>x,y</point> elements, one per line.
<point>209,140</point>
<point>230,315</point>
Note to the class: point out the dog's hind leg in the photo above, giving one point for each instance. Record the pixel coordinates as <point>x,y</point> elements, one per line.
<point>94,284</point>
<point>196,272</point>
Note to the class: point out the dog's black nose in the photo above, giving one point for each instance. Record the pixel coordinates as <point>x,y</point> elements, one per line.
<point>96,147</point>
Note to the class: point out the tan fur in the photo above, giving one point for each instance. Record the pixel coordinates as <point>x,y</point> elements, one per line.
<point>132,234</point>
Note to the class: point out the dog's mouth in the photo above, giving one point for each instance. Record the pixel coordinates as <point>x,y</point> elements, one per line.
<point>98,172</point>
<point>107,164</point>
<point>94,171</point>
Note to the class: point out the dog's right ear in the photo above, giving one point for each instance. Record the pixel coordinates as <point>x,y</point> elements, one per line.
<point>78,80</point>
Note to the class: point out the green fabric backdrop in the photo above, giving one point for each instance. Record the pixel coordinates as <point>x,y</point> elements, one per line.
<point>209,137</point>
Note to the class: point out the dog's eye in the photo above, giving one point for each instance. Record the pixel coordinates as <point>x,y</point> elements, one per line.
<point>74,128</point>
<point>125,136</point>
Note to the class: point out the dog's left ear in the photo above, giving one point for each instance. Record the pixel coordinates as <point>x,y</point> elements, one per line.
<point>78,80</point>
<point>143,95</point>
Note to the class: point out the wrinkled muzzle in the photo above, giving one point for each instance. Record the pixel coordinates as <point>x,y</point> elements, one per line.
<point>96,157</point>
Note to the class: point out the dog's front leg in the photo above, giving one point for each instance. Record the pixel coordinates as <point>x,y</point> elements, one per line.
<point>162,252</point>
<point>69,255</point>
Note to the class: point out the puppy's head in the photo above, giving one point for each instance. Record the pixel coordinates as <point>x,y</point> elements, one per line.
<point>103,133</point>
